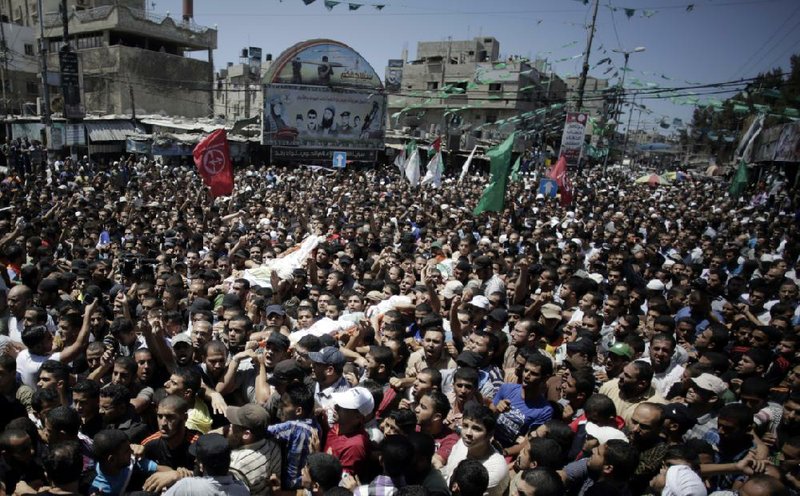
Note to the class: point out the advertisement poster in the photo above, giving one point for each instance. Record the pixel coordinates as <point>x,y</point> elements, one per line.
<point>572,139</point>
<point>394,75</point>
<point>328,118</point>
<point>327,64</point>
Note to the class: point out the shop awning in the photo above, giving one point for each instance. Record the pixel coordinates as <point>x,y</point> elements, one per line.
<point>110,130</point>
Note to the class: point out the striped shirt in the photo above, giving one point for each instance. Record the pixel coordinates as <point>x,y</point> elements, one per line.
<point>254,463</point>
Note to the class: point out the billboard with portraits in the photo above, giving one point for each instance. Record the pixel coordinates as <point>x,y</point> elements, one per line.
<point>323,117</point>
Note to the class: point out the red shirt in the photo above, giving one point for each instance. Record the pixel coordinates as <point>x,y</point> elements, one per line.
<point>445,441</point>
<point>351,450</point>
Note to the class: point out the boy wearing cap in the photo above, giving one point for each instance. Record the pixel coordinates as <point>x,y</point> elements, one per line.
<point>703,399</point>
<point>256,455</point>
<point>347,439</point>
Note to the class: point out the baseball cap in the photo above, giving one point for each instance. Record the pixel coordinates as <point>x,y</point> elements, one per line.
<point>278,339</point>
<point>211,448</point>
<point>286,371</point>
<point>604,434</point>
<point>181,338</point>
<point>357,398</point>
<point>375,296</point>
<point>480,301</point>
<point>679,413</point>
<point>276,309</point>
<point>655,285</point>
<point>327,355</point>
<point>551,311</point>
<point>710,383</point>
<point>249,416</point>
<point>622,349</point>
<point>469,359</point>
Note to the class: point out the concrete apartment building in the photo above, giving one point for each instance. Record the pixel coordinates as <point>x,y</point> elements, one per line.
<point>464,88</point>
<point>596,97</point>
<point>19,68</point>
<point>131,60</point>
<point>238,92</point>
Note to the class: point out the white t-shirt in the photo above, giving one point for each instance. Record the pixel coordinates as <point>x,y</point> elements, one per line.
<point>495,464</point>
<point>28,366</point>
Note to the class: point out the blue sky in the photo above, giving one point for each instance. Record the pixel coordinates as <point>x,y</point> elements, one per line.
<point>718,40</point>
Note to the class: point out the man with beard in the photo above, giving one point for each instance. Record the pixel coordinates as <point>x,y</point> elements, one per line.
<point>238,329</point>
<point>327,368</point>
<point>605,472</point>
<point>644,433</point>
<point>431,355</point>
<point>431,411</point>
<point>170,445</point>
<point>666,371</point>
<point>632,387</point>
<point>378,368</point>
<point>523,407</point>
<point>256,455</point>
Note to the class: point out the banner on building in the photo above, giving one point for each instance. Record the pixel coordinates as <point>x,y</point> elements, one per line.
<point>76,135</point>
<point>70,84</point>
<point>572,139</point>
<point>323,118</point>
<point>787,149</point>
<point>394,75</point>
<point>324,63</point>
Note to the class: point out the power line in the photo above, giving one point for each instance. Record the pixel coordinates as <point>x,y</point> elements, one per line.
<point>752,57</point>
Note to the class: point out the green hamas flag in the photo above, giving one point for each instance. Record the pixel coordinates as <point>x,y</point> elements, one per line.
<point>515,170</point>
<point>494,194</point>
<point>739,182</point>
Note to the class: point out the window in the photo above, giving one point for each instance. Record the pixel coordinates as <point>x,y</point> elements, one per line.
<point>495,87</point>
<point>29,49</point>
<point>433,85</point>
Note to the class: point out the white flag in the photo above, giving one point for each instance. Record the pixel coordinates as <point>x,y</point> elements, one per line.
<point>434,174</point>
<point>400,160</point>
<point>412,168</point>
<point>465,168</point>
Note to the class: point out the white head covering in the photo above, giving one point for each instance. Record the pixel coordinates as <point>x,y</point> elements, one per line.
<point>683,481</point>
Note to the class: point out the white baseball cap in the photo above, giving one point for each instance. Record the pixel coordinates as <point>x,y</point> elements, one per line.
<point>357,398</point>
<point>604,434</point>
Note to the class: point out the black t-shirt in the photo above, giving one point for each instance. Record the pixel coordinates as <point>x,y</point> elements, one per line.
<point>156,449</point>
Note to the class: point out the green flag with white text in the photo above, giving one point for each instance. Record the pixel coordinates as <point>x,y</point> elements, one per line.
<point>494,195</point>
<point>515,169</point>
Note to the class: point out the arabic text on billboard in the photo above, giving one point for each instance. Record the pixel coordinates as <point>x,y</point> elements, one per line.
<point>572,139</point>
<point>70,84</point>
<point>316,117</point>
<point>328,64</point>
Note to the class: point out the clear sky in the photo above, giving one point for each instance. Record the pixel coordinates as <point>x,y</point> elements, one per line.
<point>705,41</point>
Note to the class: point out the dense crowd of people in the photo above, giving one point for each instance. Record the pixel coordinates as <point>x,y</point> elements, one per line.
<point>341,332</point>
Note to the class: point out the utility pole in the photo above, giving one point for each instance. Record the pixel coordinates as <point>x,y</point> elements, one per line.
<point>585,70</point>
<point>4,54</point>
<point>133,102</point>
<point>43,56</point>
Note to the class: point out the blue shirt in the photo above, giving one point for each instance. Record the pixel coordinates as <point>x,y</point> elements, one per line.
<point>114,485</point>
<point>522,415</point>
<point>297,435</point>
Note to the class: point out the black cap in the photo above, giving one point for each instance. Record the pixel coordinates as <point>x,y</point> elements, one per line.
<point>498,315</point>
<point>679,413</point>
<point>276,309</point>
<point>211,450</point>
<point>469,359</point>
<point>345,260</point>
<point>463,265</point>
<point>278,339</point>
<point>285,372</point>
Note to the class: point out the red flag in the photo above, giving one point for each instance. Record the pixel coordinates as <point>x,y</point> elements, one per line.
<point>437,145</point>
<point>213,161</point>
<point>559,173</point>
